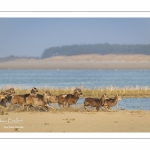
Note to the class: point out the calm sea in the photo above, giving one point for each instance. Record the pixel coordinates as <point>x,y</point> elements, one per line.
<point>85,78</point>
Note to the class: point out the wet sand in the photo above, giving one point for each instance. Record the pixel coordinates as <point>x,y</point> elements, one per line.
<point>81,121</point>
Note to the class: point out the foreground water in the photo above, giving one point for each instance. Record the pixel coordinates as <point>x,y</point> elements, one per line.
<point>85,78</point>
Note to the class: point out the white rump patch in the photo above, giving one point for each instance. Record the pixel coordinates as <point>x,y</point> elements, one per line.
<point>64,96</point>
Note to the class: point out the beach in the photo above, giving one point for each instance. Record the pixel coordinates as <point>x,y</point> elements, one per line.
<point>81,121</point>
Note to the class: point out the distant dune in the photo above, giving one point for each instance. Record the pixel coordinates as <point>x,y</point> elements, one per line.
<point>91,61</point>
<point>100,58</point>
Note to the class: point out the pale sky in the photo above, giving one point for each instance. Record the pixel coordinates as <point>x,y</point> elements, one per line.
<point>31,36</point>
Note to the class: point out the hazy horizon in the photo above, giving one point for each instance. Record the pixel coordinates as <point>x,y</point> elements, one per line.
<point>31,36</point>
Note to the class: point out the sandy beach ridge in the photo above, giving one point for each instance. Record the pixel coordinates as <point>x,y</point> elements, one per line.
<point>92,61</point>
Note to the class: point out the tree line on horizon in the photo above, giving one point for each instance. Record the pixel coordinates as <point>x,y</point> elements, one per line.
<point>101,49</point>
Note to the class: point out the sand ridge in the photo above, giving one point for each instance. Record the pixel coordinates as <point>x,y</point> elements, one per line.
<point>81,62</point>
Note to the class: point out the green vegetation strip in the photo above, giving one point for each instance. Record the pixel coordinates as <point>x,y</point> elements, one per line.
<point>101,49</point>
<point>96,92</point>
